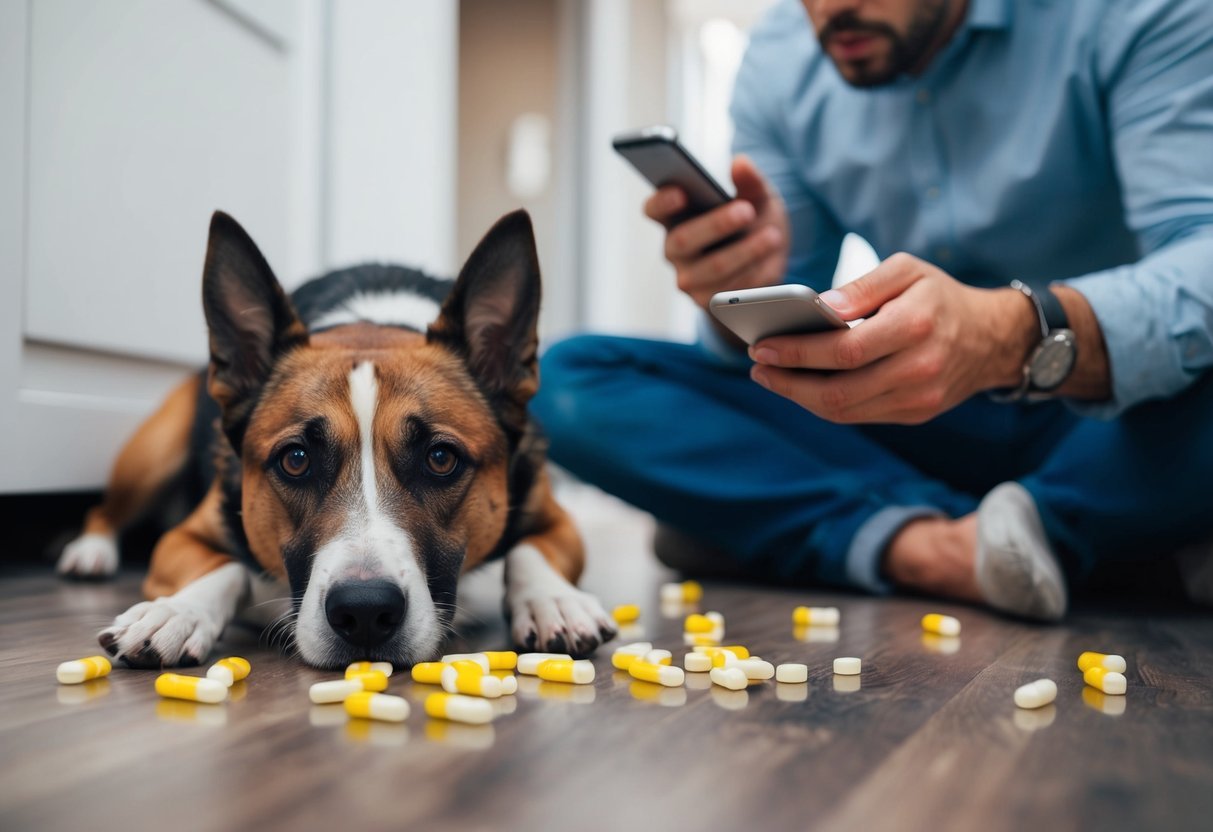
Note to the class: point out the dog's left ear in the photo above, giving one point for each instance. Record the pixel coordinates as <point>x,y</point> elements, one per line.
<point>492,313</point>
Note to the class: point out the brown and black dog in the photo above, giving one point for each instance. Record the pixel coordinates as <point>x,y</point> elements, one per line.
<point>373,444</point>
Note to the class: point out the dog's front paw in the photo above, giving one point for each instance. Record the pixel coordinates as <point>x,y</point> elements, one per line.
<point>89,556</point>
<point>160,633</point>
<point>548,613</point>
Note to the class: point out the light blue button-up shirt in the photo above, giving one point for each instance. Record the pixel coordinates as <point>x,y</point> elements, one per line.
<point>1051,140</point>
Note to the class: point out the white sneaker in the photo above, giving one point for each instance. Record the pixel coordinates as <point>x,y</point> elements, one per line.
<point>1017,571</point>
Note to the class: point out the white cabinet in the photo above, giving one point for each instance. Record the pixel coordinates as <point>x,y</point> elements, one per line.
<point>125,125</point>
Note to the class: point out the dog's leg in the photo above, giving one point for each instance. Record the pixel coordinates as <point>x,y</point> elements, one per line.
<point>150,459</point>
<point>547,611</point>
<point>196,588</point>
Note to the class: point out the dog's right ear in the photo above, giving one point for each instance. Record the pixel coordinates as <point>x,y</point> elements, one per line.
<point>251,322</point>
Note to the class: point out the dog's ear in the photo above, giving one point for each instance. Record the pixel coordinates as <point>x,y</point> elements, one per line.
<point>492,313</point>
<point>251,322</point>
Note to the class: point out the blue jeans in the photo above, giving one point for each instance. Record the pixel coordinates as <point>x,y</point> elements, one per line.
<point>792,497</point>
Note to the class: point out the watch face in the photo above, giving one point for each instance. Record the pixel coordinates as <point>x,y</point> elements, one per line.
<point>1053,360</point>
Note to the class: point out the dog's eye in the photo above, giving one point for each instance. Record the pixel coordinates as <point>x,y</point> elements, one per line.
<point>442,460</point>
<point>294,461</point>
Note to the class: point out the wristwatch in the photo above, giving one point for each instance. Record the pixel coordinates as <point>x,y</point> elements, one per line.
<point>1052,360</point>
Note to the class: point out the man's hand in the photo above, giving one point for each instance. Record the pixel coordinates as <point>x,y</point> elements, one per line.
<point>929,343</point>
<point>759,258</point>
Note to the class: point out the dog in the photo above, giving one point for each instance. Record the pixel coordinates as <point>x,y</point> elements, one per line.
<point>369,442</point>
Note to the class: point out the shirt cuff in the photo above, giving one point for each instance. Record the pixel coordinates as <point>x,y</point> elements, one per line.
<point>868,545</point>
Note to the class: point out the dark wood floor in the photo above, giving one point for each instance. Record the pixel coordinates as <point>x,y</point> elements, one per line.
<point>928,740</point>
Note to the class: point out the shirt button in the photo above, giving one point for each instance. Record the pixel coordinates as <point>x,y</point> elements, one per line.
<point>932,192</point>
<point>923,96</point>
<point>943,254</point>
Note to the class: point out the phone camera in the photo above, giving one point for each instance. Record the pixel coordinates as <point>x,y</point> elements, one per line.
<point>734,300</point>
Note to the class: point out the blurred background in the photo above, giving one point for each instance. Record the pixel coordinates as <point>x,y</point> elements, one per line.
<point>336,133</point>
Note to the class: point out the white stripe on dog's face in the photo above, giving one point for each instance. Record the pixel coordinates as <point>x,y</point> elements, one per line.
<point>370,547</point>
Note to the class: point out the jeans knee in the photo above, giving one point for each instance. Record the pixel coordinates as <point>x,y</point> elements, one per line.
<point>566,393</point>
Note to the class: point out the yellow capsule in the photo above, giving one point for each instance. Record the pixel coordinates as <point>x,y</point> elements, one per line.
<point>458,708</point>
<point>81,670</point>
<point>661,674</point>
<point>429,673</point>
<point>502,659</point>
<point>230,670</point>
<point>1108,681</point>
<point>192,688</point>
<point>368,705</point>
<point>944,625</point>
<point>696,623</point>
<point>626,613</point>
<point>1108,661</point>
<point>367,667</point>
<point>577,672</point>
<point>815,616</point>
<point>469,667</point>
<point>372,681</point>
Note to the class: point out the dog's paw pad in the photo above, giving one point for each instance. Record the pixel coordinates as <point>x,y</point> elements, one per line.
<point>89,556</point>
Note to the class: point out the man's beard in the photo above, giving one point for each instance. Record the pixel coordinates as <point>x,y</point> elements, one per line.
<point>905,52</point>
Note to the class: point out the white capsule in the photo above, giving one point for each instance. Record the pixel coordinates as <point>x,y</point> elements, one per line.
<point>697,662</point>
<point>459,708</point>
<point>528,663</point>
<point>792,673</point>
<point>733,678</point>
<point>1036,694</point>
<point>755,669</point>
<point>324,693</point>
<point>478,658</point>
<point>659,657</point>
<point>380,706</point>
<point>847,666</point>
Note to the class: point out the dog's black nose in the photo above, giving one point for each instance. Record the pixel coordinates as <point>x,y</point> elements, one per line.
<point>365,614</point>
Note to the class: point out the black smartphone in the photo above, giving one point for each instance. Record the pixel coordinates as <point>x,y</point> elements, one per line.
<point>661,159</point>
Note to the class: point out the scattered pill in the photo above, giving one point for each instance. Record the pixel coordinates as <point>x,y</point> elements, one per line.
<point>792,673</point>
<point>373,680</point>
<point>662,674</point>
<point>755,669</point>
<point>479,658</point>
<point>626,613</point>
<point>847,666</point>
<point>528,663</point>
<point>816,616</point>
<point>659,657</point>
<point>381,706</point>
<point>1108,661</point>
<point>458,708</point>
<point>501,659</point>
<point>1036,694</point>
<point>625,654</point>
<point>732,678</point>
<point>687,592</point>
<point>1108,681</point>
<point>230,670</point>
<point>456,679</point>
<point>944,625</point>
<point>81,670</point>
<point>192,688</point>
<point>696,623</point>
<point>429,673</point>
<point>579,672</point>
<point>697,662</point>
<point>326,693</point>
<point>368,667</point>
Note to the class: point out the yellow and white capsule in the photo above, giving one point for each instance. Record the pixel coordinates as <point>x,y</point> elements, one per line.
<point>336,690</point>
<point>697,662</point>
<point>82,670</point>
<point>381,706</point>
<point>687,592</point>
<point>459,708</point>
<point>191,688</point>
<point>528,663</point>
<point>943,625</point>
<point>696,623</point>
<point>626,613</point>
<point>1108,681</point>
<point>738,650</point>
<point>429,673</point>
<point>372,680</point>
<point>659,657</point>
<point>662,674</point>
<point>230,670</point>
<point>567,670</point>
<point>479,658</point>
<point>1108,661</point>
<point>625,654</point>
<point>501,659</point>
<point>1036,694</point>
<point>816,616</point>
<point>732,678</point>
<point>457,679</point>
<point>368,667</point>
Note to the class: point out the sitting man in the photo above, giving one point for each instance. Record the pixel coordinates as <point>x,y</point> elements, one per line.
<point>956,442</point>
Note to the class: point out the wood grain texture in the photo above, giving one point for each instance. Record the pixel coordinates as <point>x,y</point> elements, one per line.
<point>930,739</point>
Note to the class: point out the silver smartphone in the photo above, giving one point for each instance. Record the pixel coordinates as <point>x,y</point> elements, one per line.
<point>787,309</point>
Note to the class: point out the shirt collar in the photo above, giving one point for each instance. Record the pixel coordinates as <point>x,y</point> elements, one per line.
<point>989,14</point>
